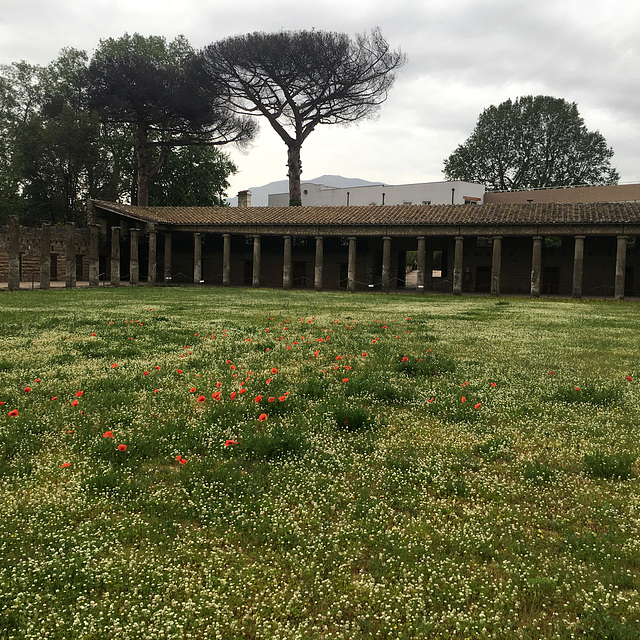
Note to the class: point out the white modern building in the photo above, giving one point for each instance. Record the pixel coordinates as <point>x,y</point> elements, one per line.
<point>319,195</point>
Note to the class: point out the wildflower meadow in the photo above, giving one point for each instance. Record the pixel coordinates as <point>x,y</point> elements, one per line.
<point>220,464</point>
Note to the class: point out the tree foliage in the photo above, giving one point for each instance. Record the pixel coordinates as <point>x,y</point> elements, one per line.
<point>529,143</point>
<point>155,87</point>
<point>299,80</point>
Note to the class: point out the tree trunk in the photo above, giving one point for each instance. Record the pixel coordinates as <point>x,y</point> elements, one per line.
<point>295,169</point>
<point>143,166</point>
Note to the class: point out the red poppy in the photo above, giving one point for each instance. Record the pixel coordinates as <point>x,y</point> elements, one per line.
<point>242,390</point>
<point>364,355</point>
<point>79,394</point>
<point>338,357</point>
<point>192,390</point>
<point>183,461</point>
<point>405,359</point>
<point>463,399</point>
<point>114,365</point>
<point>38,380</point>
<point>262,417</point>
<point>94,334</point>
<point>345,379</point>
<point>477,406</point>
<point>494,384</point>
<point>178,457</point>
<point>13,413</point>
<point>550,373</point>
<point>27,389</point>
<point>465,383</point>
<point>258,398</point>
<point>233,395</point>
<point>54,398</point>
<point>316,354</point>
<point>282,398</point>
<point>107,434</point>
<point>233,367</point>
<point>122,447</point>
<point>272,399</point>
<point>629,378</point>
<point>274,370</point>
<point>146,373</point>
<point>75,403</point>
<point>228,443</point>
<point>577,388</point>
<point>178,371</point>
<point>218,384</point>
<point>157,367</point>
<point>65,465</point>
<point>156,390</point>
<point>201,398</point>
<point>430,399</point>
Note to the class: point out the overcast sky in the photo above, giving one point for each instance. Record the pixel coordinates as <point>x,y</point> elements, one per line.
<point>463,55</point>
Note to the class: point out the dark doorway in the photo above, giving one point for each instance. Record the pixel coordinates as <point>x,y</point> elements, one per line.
<point>299,274</point>
<point>483,279</point>
<point>628,281</point>
<point>248,273</point>
<point>551,280</point>
<point>79,274</point>
<point>53,266</point>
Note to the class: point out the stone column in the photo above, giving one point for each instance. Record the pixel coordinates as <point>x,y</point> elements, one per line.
<point>167,257</point>
<point>70,257</point>
<point>421,259</point>
<point>496,265</point>
<point>45,256</point>
<point>255,281</point>
<point>115,256</point>
<point>134,259</point>
<point>578,267</point>
<point>386,263</point>
<point>94,255</point>
<point>457,267</point>
<point>153,255</point>
<point>536,266</point>
<point>14,254</point>
<point>197,258</point>
<point>621,263</point>
<point>317,282</point>
<point>351,265</point>
<point>286,266</point>
<point>226,260</point>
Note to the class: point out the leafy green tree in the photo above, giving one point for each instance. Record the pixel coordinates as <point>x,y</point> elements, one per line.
<point>301,79</point>
<point>193,176</point>
<point>530,143</point>
<point>154,87</point>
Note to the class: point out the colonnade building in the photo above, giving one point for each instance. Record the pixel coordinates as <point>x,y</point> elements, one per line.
<point>574,249</point>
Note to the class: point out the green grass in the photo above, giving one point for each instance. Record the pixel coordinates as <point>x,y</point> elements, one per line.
<point>358,466</point>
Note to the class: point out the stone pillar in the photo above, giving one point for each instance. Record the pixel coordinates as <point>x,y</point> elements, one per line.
<point>14,254</point>
<point>167,257</point>
<point>421,259</point>
<point>153,255</point>
<point>197,258</point>
<point>45,256</point>
<point>286,266</point>
<point>496,265</point>
<point>317,282</point>
<point>351,265</point>
<point>70,256</point>
<point>115,256</point>
<point>386,263</point>
<point>94,254</point>
<point>255,281</point>
<point>457,267</point>
<point>578,267</point>
<point>226,260</point>
<point>536,266</point>
<point>621,263</point>
<point>134,259</point>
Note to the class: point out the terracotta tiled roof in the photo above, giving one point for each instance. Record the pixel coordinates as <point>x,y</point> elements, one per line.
<point>486,214</point>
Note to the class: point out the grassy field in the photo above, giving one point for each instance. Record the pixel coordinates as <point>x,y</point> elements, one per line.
<point>208,463</point>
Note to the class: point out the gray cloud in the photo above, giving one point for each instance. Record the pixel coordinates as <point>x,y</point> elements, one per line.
<point>463,55</point>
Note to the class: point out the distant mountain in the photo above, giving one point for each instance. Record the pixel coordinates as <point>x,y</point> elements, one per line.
<point>260,195</point>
